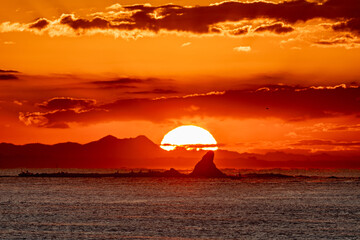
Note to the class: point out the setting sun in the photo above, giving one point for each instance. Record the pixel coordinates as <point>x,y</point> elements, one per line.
<point>190,137</point>
<point>161,119</point>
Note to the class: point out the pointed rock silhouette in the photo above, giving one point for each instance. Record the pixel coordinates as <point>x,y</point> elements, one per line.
<point>206,168</point>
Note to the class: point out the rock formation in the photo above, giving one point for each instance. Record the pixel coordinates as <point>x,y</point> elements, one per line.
<point>206,168</point>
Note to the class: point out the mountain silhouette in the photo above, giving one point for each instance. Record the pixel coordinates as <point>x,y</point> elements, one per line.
<point>141,152</point>
<point>206,168</point>
<point>107,152</point>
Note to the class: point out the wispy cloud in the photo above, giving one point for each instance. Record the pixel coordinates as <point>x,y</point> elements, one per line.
<point>186,44</point>
<point>9,43</point>
<point>242,49</point>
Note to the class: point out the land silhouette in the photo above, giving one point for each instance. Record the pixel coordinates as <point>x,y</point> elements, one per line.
<point>141,152</point>
<point>205,168</point>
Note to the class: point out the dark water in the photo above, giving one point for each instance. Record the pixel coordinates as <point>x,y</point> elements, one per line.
<point>140,208</point>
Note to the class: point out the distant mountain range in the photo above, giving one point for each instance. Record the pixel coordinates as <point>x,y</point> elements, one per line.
<point>141,152</point>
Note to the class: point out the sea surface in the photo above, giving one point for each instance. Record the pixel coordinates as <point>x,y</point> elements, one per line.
<point>169,208</point>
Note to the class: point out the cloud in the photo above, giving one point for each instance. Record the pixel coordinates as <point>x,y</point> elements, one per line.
<point>242,49</point>
<point>115,6</point>
<point>40,24</point>
<point>278,28</point>
<point>352,25</point>
<point>35,118</point>
<point>325,143</point>
<point>355,127</point>
<point>8,77</point>
<point>156,91</point>
<point>140,20</point>
<point>19,103</point>
<point>290,103</point>
<point>347,41</point>
<point>186,44</point>
<point>78,23</point>
<point>8,71</point>
<point>126,82</point>
<point>239,31</point>
<point>204,94</point>
<point>59,111</point>
<point>67,103</point>
<point>9,43</point>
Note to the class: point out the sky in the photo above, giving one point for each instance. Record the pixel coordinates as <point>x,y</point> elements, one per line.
<point>258,75</point>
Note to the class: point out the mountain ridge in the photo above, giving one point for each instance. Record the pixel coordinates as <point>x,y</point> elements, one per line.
<point>141,152</point>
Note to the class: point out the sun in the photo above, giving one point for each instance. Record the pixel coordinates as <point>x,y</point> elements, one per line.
<point>190,137</point>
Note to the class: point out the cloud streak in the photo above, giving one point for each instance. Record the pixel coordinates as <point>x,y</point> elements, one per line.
<point>156,91</point>
<point>67,103</point>
<point>278,28</point>
<point>8,77</point>
<point>274,101</point>
<point>347,41</point>
<point>242,49</point>
<point>327,143</point>
<point>8,71</point>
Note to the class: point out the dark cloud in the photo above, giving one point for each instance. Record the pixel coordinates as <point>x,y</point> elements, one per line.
<point>62,118</point>
<point>325,143</point>
<point>201,19</point>
<point>240,31</point>
<point>346,128</point>
<point>119,81</point>
<point>330,42</point>
<point>346,40</point>
<point>8,71</point>
<point>352,25</point>
<point>130,82</point>
<point>291,11</point>
<point>84,23</point>
<point>285,102</point>
<point>156,91</point>
<point>40,24</point>
<point>8,77</point>
<point>68,103</point>
<point>58,125</point>
<point>278,28</point>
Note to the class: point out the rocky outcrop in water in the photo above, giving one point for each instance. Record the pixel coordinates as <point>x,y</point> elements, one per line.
<point>206,168</point>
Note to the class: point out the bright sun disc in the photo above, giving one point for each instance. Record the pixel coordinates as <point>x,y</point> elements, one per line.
<point>190,137</point>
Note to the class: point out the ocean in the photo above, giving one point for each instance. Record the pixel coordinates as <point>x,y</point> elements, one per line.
<point>169,208</point>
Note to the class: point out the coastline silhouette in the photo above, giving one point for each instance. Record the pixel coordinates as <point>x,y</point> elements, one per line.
<point>141,152</point>
<point>205,168</point>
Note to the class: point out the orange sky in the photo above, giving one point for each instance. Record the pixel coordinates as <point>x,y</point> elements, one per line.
<point>259,76</point>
